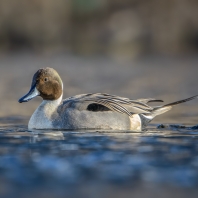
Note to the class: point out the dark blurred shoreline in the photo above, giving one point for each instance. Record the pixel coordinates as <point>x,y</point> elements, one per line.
<point>110,27</point>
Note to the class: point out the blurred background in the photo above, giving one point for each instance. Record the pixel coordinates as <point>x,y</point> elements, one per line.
<point>126,28</point>
<point>133,48</point>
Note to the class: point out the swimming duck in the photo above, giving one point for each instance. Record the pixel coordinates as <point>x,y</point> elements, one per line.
<point>87,111</point>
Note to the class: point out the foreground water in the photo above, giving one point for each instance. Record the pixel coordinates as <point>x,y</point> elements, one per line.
<point>157,162</point>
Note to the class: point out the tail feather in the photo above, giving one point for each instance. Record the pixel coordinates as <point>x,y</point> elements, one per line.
<point>148,100</point>
<point>162,109</point>
<point>180,101</point>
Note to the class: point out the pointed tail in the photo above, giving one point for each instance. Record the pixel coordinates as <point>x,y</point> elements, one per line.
<point>180,101</point>
<point>162,109</point>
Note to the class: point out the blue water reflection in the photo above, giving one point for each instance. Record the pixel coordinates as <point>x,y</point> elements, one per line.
<point>60,160</point>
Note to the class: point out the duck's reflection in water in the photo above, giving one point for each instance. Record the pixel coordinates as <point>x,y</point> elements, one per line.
<point>37,136</point>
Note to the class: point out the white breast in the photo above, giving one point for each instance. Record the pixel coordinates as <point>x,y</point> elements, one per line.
<point>44,115</point>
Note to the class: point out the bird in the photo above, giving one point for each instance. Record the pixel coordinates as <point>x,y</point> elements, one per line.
<point>88,111</point>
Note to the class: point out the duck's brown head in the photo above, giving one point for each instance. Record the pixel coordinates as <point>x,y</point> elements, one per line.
<point>45,83</point>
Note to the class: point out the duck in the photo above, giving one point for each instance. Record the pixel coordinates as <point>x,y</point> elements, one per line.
<point>87,111</point>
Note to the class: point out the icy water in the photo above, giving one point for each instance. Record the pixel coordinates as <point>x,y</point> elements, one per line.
<point>154,163</point>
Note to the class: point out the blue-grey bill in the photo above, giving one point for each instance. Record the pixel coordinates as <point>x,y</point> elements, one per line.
<point>30,95</point>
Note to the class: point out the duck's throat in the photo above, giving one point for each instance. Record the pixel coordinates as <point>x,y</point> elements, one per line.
<point>45,115</point>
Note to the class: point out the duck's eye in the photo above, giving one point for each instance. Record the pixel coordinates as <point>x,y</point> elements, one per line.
<point>46,79</point>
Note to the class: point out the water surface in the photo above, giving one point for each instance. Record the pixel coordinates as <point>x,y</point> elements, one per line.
<point>44,163</point>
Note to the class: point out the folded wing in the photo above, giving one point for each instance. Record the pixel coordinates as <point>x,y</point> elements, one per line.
<point>96,102</point>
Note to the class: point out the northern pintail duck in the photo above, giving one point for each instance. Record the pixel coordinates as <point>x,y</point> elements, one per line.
<point>87,111</point>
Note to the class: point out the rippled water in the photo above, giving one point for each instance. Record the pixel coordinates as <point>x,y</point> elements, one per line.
<point>157,162</point>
